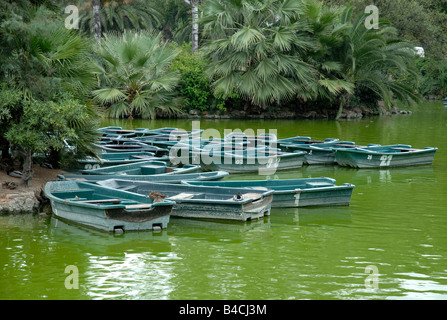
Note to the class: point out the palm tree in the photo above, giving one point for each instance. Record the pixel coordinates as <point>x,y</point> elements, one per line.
<point>374,59</point>
<point>136,79</point>
<point>257,50</point>
<point>118,15</point>
<point>329,33</point>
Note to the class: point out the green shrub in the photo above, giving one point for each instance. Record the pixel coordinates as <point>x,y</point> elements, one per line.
<point>194,85</point>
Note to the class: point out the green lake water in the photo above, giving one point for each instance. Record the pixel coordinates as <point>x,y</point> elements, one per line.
<point>390,243</point>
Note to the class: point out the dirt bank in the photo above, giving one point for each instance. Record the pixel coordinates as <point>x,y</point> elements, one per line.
<point>25,198</point>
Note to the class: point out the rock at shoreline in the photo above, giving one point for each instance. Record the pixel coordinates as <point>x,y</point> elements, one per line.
<point>18,202</point>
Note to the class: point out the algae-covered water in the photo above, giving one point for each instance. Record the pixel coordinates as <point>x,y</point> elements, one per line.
<point>390,243</point>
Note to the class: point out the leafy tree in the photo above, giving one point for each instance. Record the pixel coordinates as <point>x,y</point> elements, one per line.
<point>45,127</point>
<point>47,72</point>
<point>136,79</point>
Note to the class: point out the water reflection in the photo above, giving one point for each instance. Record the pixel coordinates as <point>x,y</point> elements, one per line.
<point>134,265</point>
<point>312,215</point>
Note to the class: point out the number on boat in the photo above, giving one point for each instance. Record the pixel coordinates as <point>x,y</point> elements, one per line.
<point>297,198</point>
<point>385,160</point>
<point>273,162</point>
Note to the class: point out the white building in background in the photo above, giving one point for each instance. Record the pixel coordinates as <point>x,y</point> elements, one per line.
<point>420,51</point>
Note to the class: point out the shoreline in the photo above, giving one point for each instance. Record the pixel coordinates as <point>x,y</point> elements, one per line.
<point>285,114</point>
<point>23,199</point>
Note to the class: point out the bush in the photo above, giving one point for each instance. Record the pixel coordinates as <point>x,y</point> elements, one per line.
<point>194,85</point>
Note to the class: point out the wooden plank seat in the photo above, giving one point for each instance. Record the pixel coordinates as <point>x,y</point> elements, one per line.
<point>139,206</point>
<point>252,195</point>
<point>99,201</point>
<point>183,195</point>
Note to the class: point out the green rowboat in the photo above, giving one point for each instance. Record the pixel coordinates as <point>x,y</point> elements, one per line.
<point>142,168</point>
<point>106,209</point>
<point>398,155</point>
<point>292,192</point>
<point>116,158</point>
<point>264,161</point>
<point>165,178</point>
<point>319,153</point>
<point>240,204</point>
<point>131,147</point>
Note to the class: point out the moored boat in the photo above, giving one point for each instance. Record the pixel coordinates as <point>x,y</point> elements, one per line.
<point>265,161</point>
<point>398,155</point>
<point>144,170</point>
<point>319,153</point>
<point>116,158</point>
<point>165,178</point>
<point>106,209</point>
<point>292,192</point>
<point>131,147</point>
<point>240,204</point>
<point>283,144</point>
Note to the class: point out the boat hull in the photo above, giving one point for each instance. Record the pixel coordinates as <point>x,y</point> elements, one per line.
<point>361,158</point>
<point>104,209</point>
<point>239,164</point>
<point>199,202</point>
<point>112,219</point>
<point>294,192</point>
<point>165,178</point>
<point>235,212</point>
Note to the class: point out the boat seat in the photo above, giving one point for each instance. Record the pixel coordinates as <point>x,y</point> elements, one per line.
<point>139,206</point>
<point>249,195</point>
<point>318,184</point>
<point>403,149</point>
<point>152,169</point>
<point>183,196</point>
<point>99,201</point>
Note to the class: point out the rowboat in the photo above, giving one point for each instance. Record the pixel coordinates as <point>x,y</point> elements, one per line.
<point>116,131</point>
<point>182,152</point>
<point>240,204</point>
<point>106,209</point>
<point>116,158</point>
<point>292,192</point>
<point>165,130</point>
<point>133,146</point>
<point>284,143</point>
<point>319,153</point>
<point>265,161</point>
<point>444,101</point>
<point>144,170</point>
<point>397,155</point>
<point>261,140</point>
<point>150,167</point>
<point>165,178</point>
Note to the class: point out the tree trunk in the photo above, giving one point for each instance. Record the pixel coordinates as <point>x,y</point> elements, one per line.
<point>195,24</point>
<point>27,172</point>
<point>97,21</point>
<point>344,102</point>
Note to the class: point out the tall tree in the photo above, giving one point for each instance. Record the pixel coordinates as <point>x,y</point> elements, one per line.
<point>194,4</point>
<point>97,20</point>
